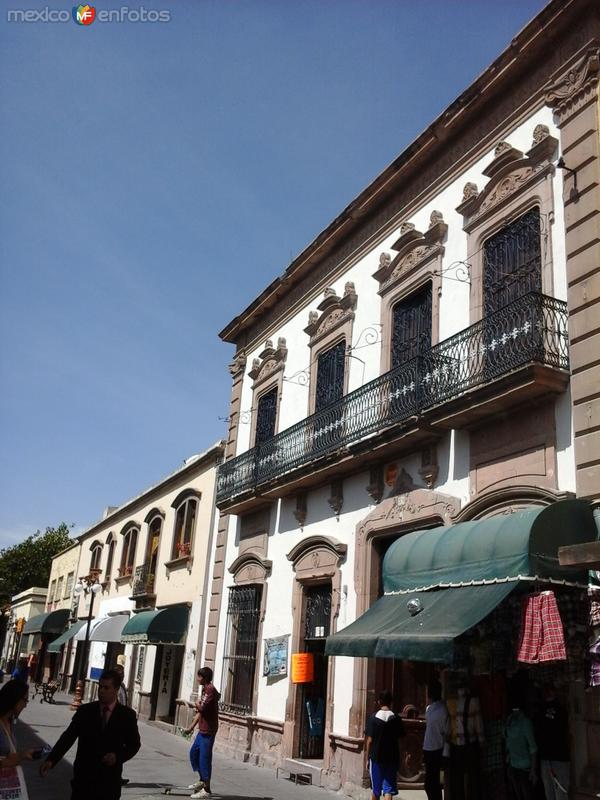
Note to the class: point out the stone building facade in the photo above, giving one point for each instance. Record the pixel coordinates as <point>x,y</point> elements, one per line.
<point>430,358</point>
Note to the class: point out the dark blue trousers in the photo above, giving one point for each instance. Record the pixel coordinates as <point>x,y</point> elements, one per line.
<point>201,755</point>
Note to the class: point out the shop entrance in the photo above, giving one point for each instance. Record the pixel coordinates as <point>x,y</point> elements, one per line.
<point>165,684</point>
<point>313,696</point>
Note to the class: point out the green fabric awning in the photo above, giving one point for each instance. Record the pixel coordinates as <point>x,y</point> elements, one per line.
<point>50,622</point>
<point>387,630</point>
<point>460,573</point>
<point>163,626</point>
<point>54,647</point>
<point>505,546</point>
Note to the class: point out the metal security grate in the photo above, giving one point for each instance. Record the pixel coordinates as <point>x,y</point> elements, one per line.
<point>265,416</point>
<point>241,640</point>
<point>330,376</point>
<point>512,262</point>
<point>411,327</point>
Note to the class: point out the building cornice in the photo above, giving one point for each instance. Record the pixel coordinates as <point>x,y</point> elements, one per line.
<point>532,57</point>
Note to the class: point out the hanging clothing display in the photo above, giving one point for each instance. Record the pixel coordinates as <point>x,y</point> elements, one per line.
<point>542,637</point>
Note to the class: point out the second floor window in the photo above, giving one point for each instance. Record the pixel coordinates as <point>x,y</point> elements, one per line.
<point>52,592</point>
<point>69,584</point>
<point>266,414</point>
<point>96,556</point>
<point>128,553</point>
<point>111,544</point>
<point>512,263</point>
<point>330,375</point>
<point>185,523</point>
<point>59,587</point>
<point>411,327</point>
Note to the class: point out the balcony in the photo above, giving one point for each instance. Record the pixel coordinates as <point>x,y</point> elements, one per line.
<point>143,583</point>
<point>512,356</point>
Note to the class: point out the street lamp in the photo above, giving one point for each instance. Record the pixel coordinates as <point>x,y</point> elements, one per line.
<point>88,584</point>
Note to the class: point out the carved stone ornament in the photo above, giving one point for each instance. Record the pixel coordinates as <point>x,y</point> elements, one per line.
<point>415,250</point>
<point>573,89</point>
<point>333,310</point>
<point>375,487</point>
<point>300,510</point>
<point>238,364</point>
<point>510,173</point>
<point>540,132</point>
<point>429,467</point>
<point>385,260</point>
<point>316,552</point>
<point>269,360</point>
<point>336,501</point>
<point>250,567</point>
<point>470,190</point>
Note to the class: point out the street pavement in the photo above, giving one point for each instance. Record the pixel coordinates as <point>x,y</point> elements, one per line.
<point>162,762</point>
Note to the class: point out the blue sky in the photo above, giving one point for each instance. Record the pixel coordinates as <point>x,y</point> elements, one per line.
<point>155,177</point>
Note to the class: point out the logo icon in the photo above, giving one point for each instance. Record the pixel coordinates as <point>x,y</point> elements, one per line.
<point>84,15</point>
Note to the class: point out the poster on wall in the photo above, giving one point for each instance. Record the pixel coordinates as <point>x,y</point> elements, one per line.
<point>276,656</point>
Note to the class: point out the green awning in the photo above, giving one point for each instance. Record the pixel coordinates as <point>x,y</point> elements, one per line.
<point>460,573</point>
<point>163,626</point>
<point>387,629</point>
<point>54,647</point>
<point>51,622</point>
<point>505,546</point>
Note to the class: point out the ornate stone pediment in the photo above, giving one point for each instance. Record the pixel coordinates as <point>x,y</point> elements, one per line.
<point>574,88</point>
<point>269,361</point>
<point>332,312</point>
<point>317,556</point>
<point>250,567</point>
<point>415,250</point>
<point>510,172</point>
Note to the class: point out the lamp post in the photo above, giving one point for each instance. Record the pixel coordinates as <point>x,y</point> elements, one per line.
<point>87,585</point>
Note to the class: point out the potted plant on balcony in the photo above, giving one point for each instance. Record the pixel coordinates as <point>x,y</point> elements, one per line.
<point>183,549</point>
<point>126,572</point>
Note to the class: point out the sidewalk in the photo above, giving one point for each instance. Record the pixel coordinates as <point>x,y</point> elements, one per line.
<point>161,762</point>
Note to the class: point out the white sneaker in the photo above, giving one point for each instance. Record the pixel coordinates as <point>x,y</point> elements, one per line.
<point>201,793</point>
<point>196,786</point>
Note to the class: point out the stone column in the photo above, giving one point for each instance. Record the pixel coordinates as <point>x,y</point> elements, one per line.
<point>236,368</point>
<point>573,96</point>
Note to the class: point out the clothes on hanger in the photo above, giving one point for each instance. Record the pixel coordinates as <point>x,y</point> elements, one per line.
<point>542,636</point>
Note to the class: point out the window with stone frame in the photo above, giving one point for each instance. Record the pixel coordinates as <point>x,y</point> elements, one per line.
<point>59,587</point>
<point>331,365</point>
<point>69,584</point>
<point>52,592</point>
<point>411,327</point>
<point>111,544</point>
<point>266,416</point>
<point>96,550</point>
<point>241,644</point>
<point>512,262</point>
<point>128,551</point>
<point>185,524</point>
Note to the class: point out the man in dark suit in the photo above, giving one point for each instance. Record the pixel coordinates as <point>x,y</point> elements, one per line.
<point>107,735</point>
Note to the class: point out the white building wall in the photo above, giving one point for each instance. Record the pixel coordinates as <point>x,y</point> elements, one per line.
<point>452,451</point>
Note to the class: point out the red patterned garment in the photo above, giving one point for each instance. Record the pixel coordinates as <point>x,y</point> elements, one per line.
<point>542,636</point>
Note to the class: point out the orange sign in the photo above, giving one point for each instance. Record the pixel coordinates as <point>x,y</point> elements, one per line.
<point>303,667</point>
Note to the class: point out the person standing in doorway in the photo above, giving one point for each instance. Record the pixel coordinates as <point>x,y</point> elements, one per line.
<point>552,734</point>
<point>383,732</point>
<point>207,720</point>
<point>437,731</point>
<point>521,752</point>
<point>107,735</point>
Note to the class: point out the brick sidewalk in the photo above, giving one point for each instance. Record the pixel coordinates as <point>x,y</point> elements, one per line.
<point>161,762</point>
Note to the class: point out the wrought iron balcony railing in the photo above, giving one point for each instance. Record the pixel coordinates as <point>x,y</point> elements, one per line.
<point>143,581</point>
<point>532,329</point>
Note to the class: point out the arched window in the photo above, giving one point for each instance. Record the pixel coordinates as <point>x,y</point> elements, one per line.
<point>128,552</point>
<point>185,523</point>
<point>111,544</point>
<point>96,549</point>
